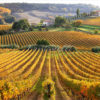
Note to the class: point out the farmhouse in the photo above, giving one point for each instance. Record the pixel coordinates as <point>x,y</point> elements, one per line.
<point>48,22</point>
<point>97,13</point>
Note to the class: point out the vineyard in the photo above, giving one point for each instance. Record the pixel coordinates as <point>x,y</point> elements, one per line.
<point>5,27</point>
<point>92,21</point>
<point>72,75</point>
<point>46,74</point>
<point>78,39</point>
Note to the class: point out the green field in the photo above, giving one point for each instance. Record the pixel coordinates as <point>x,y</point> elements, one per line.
<point>89,28</point>
<point>60,29</point>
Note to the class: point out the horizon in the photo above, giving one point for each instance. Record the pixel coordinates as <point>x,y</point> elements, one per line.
<point>88,2</point>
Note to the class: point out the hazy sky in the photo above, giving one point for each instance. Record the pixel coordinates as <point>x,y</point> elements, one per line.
<point>94,2</point>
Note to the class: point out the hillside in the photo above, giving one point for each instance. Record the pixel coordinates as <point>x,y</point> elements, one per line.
<point>78,39</point>
<point>92,21</point>
<point>35,12</point>
<point>26,75</point>
<point>22,7</point>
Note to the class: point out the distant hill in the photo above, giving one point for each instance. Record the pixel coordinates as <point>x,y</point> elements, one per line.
<point>35,12</point>
<point>22,7</point>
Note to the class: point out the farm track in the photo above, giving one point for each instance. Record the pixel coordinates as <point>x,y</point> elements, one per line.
<point>60,93</point>
<point>34,95</point>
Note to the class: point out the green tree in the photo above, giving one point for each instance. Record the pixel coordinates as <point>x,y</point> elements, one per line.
<point>21,25</point>
<point>41,21</point>
<point>2,21</point>
<point>92,13</point>
<point>77,23</point>
<point>96,32</point>
<point>9,19</point>
<point>78,12</point>
<point>60,21</point>
<point>84,14</point>
<point>42,42</point>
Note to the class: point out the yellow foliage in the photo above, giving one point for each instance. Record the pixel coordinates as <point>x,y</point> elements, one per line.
<point>92,21</point>
<point>4,10</point>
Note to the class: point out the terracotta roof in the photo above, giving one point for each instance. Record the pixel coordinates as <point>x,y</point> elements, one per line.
<point>97,11</point>
<point>47,21</point>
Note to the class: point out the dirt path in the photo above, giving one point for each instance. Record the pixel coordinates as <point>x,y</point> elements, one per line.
<point>60,92</point>
<point>36,94</point>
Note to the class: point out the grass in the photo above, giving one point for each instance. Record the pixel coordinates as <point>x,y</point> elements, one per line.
<point>59,29</point>
<point>90,28</point>
<point>92,21</point>
<point>53,29</point>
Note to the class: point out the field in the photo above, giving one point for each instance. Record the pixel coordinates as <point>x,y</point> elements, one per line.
<point>59,29</point>
<point>78,39</point>
<point>5,27</point>
<point>90,28</point>
<point>92,21</point>
<point>72,75</point>
<point>42,74</point>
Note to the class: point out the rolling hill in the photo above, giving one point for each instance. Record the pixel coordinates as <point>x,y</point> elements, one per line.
<point>35,12</point>
<point>78,39</point>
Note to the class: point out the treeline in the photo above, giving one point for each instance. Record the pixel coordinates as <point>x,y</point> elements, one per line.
<point>65,23</point>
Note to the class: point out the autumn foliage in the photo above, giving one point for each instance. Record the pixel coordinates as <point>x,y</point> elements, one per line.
<point>5,10</point>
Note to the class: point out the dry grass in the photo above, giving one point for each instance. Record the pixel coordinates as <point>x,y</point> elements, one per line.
<point>92,21</point>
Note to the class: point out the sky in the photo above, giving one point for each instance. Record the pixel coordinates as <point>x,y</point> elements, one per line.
<point>93,2</point>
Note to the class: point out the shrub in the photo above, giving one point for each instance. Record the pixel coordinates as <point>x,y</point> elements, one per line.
<point>95,49</point>
<point>10,46</point>
<point>42,42</point>
<point>49,47</point>
<point>9,19</point>
<point>40,29</point>
<point>68,26</point>
<point>2,32</point>
<point>96,32</point>
<point>77,23</point>
<point>69,48</point>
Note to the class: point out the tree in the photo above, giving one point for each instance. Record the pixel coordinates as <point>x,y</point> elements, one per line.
<point>9,19</point>
<point>77,23</point>
<point>2,21</point>
<point>41,21</point>
<point>60,21</point>
<point>92,13</point>
<point>78,12</point>
<point>68,26</point>
<point>96,32</point>
<point>32,27</point>
<point>21,25</point>
<point>46,29</point>
<point>84,14</point>
<point>42,42</point>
